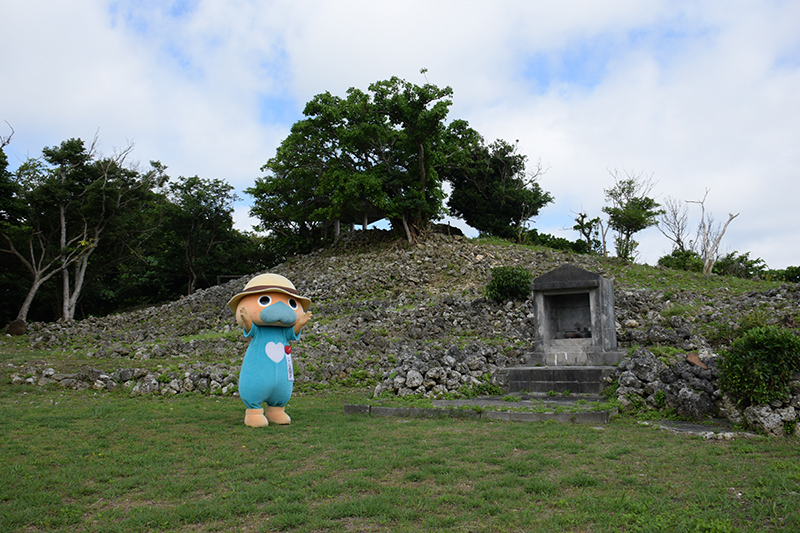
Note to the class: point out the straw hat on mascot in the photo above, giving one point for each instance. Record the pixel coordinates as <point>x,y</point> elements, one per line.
<point>272,314</point>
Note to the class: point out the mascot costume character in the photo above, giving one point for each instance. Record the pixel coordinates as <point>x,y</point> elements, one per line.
<point>272,314</point>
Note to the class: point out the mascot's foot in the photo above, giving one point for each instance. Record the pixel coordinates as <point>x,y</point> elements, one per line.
<point>255,418</point>
<point>276,415</point>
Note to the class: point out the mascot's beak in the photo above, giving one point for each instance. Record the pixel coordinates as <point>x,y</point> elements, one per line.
<point>278,314</point>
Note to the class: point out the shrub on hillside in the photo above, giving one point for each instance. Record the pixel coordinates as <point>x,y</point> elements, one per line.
<point>758,366</point>
<point>509,283</point>
<point>740,266</point>
<point>682,260</point>
<point>532,236</point>
<point>790,274</point>
<point>726,331</point>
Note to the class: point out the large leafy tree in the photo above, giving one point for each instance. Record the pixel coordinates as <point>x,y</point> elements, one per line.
<point>199,230</point>
<point>412,158</point>
<point>179,240</point>
<point>71,197</point>
<point>94,234</point>
<point>373,154</point>
<point>358,143</point>
<point>129,266</point>
<point>297,198</point>
<point>631,210</point>
<point>492,191</point>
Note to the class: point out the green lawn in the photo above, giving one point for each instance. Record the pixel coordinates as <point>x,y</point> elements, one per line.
<point>80,461</point>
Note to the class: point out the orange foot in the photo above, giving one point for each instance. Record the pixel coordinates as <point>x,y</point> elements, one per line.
<point>276,415</point>
<point>255,418</point>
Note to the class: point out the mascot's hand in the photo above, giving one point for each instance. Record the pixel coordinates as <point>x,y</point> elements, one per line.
<point>302,320</point>
<point>243,318</point>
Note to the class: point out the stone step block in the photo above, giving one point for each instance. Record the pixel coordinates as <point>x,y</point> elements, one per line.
<point>577,379</point>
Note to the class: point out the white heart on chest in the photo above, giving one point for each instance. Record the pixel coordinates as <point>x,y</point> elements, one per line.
<point>275,351</point>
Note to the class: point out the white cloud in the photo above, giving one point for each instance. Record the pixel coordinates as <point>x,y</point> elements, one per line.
<point>700,94</point>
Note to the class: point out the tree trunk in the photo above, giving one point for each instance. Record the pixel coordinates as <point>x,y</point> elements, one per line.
<point>26,304</point>
<point>408,230</point>
<point>62,213</point>
<point>706,237</point>
<point>711,257</point>
<point>423,173</point>
<point>65,293</point>
<point>603,233</point>
<point>37,268</point>
<point>80,275</point>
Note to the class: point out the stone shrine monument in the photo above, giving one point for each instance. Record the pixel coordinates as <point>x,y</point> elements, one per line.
<point>575,323</point>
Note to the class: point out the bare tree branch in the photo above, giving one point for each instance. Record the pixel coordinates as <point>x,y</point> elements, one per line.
<point>673,223</point>
<point>5,140</point>
<point>708,235</point>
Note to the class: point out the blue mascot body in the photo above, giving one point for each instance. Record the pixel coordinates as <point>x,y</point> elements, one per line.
<point>272,314</point>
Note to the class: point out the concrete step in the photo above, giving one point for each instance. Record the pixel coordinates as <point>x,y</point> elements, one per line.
<point>543,379</point>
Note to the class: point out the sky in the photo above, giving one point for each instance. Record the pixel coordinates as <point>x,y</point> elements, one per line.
<point>702,97</point>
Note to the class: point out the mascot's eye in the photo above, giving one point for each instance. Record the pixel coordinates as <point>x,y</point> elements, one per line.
<point>292,303</point>
<point>264,301</point>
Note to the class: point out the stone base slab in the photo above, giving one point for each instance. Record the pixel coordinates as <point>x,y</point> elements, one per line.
<point>543,379</point>
<point>584,417</point>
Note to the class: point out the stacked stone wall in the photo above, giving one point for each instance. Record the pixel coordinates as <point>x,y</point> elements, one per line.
<point>690,387</point>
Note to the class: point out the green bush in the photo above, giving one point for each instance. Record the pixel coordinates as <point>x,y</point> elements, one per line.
<point>740,266</point>
<point>758,366</point>
<point>532,236</point>
<point>682,260</point>
<point>509,283</point>
<point>727,331</point>
<point>790,274</point>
